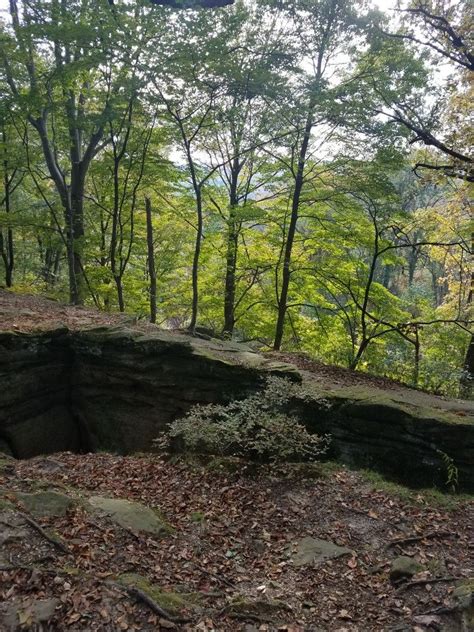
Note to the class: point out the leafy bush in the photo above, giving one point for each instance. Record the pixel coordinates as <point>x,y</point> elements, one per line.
<point>256,427</point>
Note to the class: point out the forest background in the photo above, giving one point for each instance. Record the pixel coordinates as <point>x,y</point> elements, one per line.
<point>295,175</point>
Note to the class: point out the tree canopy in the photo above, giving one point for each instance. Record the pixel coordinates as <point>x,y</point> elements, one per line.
<point>296,175</point>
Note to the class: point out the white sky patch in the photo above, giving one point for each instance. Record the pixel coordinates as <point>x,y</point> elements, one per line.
<point>385,5</point>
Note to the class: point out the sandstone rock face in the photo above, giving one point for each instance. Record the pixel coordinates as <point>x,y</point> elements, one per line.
<point>114,388</point>
<point>405,441</point>
<point>127,386</point>
<point>35,415</point>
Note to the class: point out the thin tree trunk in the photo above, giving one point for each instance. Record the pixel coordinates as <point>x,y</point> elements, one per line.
<point>6,243</point>
<point>360,351</point>
<point>195,268</point>
<point>285,281</point>
<point>113,238</point>
<point>232,246</point>
<point>416,368</point>
<point>77,206</point>
<point>467,380</point>
<point>151,260</point>
<point>231,266</point>
<point>466,383</point>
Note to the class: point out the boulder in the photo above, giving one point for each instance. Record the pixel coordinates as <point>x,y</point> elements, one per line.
<point>30,614</point>
<point>463,596</point>
<point>46,504</point>
<point>130,515</point>
<point>403,568</point>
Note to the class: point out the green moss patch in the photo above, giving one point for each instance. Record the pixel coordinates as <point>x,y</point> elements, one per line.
<point>172,602</point>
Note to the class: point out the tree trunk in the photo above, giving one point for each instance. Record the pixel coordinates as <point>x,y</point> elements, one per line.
<point>416,368</point>
<point>77,290</point>
<point>116,270</point>
<point>195,268</point>
<point>151,260</point>
<point>6,243</point>
<point>360,351</point>
<point>285,281</point>
<point>7,254</point>
<point>467,380</point>
<point>231,266</point>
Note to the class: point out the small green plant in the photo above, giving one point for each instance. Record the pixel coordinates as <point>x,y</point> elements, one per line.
<point>452,480</point>
<point>256,428</point>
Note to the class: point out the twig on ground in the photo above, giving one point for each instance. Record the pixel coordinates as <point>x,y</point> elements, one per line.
<point>52,540</point>
<point>424,582</point>
<point>218,578</point>
<point>417,538</point>
<point>241,616</point>
<point>442,610</point>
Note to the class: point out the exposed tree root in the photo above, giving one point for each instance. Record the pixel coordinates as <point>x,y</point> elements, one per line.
<point>54,541</point>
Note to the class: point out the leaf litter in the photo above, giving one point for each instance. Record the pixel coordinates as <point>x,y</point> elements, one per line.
<point>228,554</point>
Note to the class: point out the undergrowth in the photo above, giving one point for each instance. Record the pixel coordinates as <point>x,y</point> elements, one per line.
<point>256,428</point>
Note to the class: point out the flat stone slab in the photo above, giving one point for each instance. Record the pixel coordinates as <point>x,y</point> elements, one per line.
<point>130,515</point>
<point>47,504</point>
<point>315,551</point>
<point>29,614</point>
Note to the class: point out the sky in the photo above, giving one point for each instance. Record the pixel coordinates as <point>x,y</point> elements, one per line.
<point>383,4</point>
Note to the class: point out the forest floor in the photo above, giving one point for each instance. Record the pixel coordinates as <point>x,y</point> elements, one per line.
<point>229,557</point>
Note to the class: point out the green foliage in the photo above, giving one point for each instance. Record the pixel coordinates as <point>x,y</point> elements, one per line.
<point>219,99</point>
<point>256,427</point>
<point>452,473</point>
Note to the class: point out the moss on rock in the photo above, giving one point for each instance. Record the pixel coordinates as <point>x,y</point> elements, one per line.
<point>172,602</point>
<point>46,504</point>
<point>131,515</point>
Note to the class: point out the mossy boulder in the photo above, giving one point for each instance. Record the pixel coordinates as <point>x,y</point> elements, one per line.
<point>46,504</point>
<point>463,596</point>
<point>131,515</point>
<point>403,568</point>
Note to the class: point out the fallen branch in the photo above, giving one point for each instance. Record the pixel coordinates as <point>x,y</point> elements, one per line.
<point>218,578</point>
<point>54,541</point>
<point>442,610</point>
<point>418,538</point>
<point>242,616</point>
<point>140,595</point>
<point>424,582</point>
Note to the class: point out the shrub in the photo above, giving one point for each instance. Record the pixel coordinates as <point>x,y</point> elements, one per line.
<point>256,427</point>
